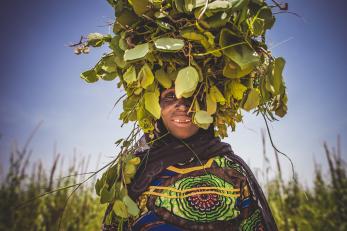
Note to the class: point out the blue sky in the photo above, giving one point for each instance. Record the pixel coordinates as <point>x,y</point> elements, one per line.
<point>40,82</point>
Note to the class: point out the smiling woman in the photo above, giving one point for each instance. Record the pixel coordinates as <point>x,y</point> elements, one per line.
<point>189,69</point>
<point>188,179</point>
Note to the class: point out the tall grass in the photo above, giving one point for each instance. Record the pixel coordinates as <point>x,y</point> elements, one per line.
<point>295,207</point>
<point>323,207</point>
<point>22,206</point>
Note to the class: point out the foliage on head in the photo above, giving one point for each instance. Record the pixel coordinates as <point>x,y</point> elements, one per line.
<point>212,48</point>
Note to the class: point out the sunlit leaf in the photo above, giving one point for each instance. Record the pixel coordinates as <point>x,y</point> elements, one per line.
<point>120,209</point>
<point>169,44</point>
<point>219,5</point>
<point>237,90</point>
<point>277,74</point>
<point>135,161</point>
<point>130,75</point>
<point>138,52</point>
<point>95,39</point>
<point>129,169</point>
<point>146,76</point>
<point>152,104</point>
<point>211,104</point>
<point>203,119</point>
<point>216,95</point>
<point>186,82</point>
<point>252,100</point>
<point>132,207</point>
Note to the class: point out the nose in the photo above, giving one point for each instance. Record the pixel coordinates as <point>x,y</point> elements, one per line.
<point>183,104</point>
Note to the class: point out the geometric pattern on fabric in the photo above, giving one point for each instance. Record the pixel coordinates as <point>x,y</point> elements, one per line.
<point>209,196</point>
<point>254,222</point>
<point>202,198</point>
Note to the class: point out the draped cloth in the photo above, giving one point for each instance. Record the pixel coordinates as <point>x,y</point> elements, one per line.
<point>168,150</point>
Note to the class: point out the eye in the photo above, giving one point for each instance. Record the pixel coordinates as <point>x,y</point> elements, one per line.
<point>169,96</point>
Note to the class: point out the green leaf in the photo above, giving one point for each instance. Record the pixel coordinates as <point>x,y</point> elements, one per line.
<point>95,39</point>
<point>130,75</point>
<point>252,100</point>
<point>233,71</point>
<point>216,95</point>
<point>219,5</point>
<point>124,19</point>
<point>277,74</point>
<point>191,34</point>
<point>203,119</point>
<point>114,45</point>
<point>282,108</point>
<point>120,209</point>
<point>146,76</point>
<point>211,104</point>
<point>109,76</point>
<point>140,6</point>
<point>169,44</point>
<point>152,104</point>
<point>258,27</point>
<point>190,5</point>
<point>186,82</point>
<point>241,54</point>
<point>239,4</point>
<point>163,78</point>
<point>129,169</point>
<point>217,20</point>
<point>90,76</point>
<point>98,185</point>
<point>107,196</point>
<point>130,102</point>
<point>237,90</point>
<point>179,4</point>
<point>108,64</point>
<point>138,52</point>
<point>132,207</point>
<point>265,13</point>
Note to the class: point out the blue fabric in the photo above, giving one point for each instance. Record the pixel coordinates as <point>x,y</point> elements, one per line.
<point>149,218</point>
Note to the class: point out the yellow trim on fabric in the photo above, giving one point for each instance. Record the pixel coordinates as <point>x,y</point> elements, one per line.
<point>191,169</point>
<point>190,194</point>
<point>152,188</point>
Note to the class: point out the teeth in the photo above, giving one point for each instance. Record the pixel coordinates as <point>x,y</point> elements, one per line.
<point>182,121</point>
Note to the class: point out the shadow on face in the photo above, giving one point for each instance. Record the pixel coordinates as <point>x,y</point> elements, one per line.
<point>175,116</point>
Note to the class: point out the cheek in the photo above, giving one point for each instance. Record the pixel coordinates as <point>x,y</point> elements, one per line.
<point>165,115</point>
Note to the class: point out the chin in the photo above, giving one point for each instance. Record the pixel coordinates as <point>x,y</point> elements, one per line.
<point>184,134</point>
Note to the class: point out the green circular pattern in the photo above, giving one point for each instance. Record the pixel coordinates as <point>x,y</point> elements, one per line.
<point>203,207</point>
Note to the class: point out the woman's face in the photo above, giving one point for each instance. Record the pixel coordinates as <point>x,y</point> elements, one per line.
<point>174,113</point>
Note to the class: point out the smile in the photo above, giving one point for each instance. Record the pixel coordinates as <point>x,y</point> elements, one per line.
<point>182,121</point>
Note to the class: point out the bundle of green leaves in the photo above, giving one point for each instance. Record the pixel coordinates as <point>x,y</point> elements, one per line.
<point>214,51</point>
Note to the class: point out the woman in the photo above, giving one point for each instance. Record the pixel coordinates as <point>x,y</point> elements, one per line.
<point>190,180</point>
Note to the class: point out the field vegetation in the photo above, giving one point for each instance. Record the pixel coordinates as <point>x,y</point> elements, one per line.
<point>30,201</point>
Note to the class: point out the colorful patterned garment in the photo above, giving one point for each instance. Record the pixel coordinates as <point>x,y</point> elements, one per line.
<point>212,195</point>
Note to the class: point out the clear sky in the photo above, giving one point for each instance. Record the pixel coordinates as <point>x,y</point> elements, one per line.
<point>40,82</point>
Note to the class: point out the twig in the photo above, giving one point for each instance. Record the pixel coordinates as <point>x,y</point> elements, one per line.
<point>284,6</point>
<point>276,149</point>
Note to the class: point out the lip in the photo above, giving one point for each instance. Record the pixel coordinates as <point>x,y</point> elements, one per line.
<point>182,120</point>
